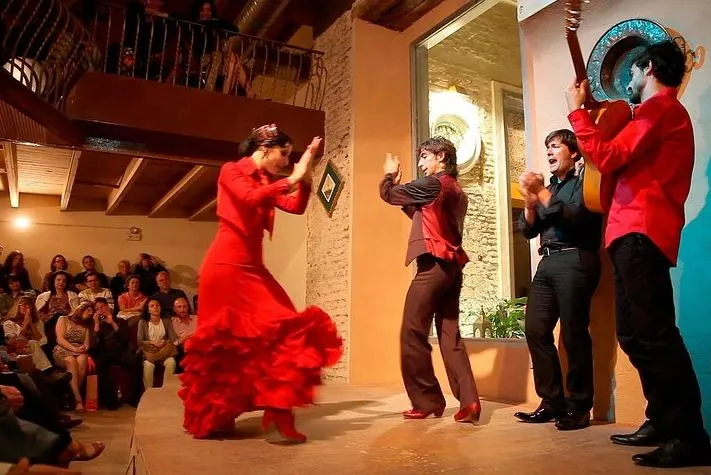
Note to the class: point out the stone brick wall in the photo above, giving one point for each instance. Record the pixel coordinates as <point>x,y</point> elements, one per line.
<point>328,238</point>
<point>486,49</point>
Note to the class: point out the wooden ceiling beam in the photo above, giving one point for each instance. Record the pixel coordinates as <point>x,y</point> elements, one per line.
<point>133,171</point>
<point>188,180</point>
<point>408,13</point>
<point>203,210</point>
<point>372,10</point>
<point>13,180</point>
<point>69,184</point>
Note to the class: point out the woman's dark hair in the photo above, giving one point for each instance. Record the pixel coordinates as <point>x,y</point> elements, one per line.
<point>264,136</point>
<point>439,144</point>
<point>53,278</point>
<point>52,267</point>
<point>146,313</point>
<point>10,257</point>
<point>197,9</point>
<point>566,137</point>
<point>668,62</point>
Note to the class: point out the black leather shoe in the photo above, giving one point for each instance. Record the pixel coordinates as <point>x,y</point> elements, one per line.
<point>675,454</point>
<point>573,421</point>
<point>645,436</point>
<point>538,416</point>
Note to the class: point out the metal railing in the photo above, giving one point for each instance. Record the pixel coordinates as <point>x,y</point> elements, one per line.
<point>204,56</point>
<point>47,47</point>
<point>44,47</point>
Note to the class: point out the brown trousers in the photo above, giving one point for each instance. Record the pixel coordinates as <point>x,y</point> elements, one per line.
<point>434,292</point>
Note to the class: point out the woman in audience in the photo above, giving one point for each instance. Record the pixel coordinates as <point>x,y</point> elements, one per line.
<point>156,339</point>
<point>132,302</point>
<point>71,352</point>
<point>10,298</point>
<point>58,299</point>
<point>15,266</point>
<point>58,263</point>
<point>252,349</point>
<point>118,282</point>
<point>25,329</point>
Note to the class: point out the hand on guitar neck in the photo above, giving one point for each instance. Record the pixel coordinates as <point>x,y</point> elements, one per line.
<point>575,95</point>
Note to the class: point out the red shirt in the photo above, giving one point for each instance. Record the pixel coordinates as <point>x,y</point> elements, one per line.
<point>246,199</point>
<point>652,159</point>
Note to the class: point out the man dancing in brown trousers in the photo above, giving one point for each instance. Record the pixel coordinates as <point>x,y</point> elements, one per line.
<point>437,206</point>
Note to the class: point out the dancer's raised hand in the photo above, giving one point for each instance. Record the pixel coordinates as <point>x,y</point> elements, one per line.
<point>302,168</point>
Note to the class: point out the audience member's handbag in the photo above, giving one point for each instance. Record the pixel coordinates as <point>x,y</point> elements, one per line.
<point>91,400</point>
<point>153,354</point>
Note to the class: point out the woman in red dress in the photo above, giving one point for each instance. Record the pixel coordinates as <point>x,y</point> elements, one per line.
<point>252,350</point>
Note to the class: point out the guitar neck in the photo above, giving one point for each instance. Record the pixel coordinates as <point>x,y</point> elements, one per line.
<point>581,73</point>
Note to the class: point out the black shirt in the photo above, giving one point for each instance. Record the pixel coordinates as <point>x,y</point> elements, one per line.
<point>566,222</point>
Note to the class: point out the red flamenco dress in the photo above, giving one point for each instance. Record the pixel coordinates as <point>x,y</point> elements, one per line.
<point>251,350</point>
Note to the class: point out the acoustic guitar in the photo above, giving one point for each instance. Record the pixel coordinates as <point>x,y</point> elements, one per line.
<point>610,116</point>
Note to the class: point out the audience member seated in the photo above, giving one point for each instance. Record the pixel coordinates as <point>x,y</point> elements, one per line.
<point>22,440</point>
<point>118,282</point>
<point>132,302</point>
<point>147,270</point>
<point>23,329</point>
<point>58,263</point>
<point>155,340</point>
<point>9,299</point>
<point>72,350</point>
<point>184,325</point>
<point>89,265</point>
<point>167,295</point>
<point>38,394</point>
<point>58,299</point>
<point>15,266</point>
<point>93,290</point>
<point>115,365</point>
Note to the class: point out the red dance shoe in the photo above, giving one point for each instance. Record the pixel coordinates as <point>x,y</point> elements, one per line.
<point>284,421</point>
<point>469,413</point>
<point>418,414</point>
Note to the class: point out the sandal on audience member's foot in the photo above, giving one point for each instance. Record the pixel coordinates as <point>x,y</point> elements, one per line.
<point>79,407</point>
<point>84,452</point>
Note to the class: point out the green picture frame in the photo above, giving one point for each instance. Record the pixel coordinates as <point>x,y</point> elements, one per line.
<point>330,187</point>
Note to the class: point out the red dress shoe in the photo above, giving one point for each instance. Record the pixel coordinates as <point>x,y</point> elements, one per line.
<point>419,414</point>
<point>284,421</point>
<point>469,413</point>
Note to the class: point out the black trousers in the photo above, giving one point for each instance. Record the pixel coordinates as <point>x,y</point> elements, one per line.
<point>647,333</point>
<point>563,288</point>
<point>434,292</point>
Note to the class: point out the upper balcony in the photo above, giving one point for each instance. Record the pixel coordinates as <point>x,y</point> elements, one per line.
<point>145,95</point>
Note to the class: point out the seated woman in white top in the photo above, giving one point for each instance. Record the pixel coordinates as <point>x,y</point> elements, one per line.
<point>23,328</point>
<point>156,339</point>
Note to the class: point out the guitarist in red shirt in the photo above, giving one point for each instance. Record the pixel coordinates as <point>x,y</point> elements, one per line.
<point>652,160</point>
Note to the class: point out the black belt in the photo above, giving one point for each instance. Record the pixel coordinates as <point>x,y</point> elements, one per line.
<point>547,251</point>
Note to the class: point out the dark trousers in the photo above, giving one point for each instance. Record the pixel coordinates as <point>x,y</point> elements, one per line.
<point>434,292</point>
<point>647,333</point>
<point>38,406</point>
<point>563,288</point>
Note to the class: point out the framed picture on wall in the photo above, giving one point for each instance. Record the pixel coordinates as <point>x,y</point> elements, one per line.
<point>330,187</point>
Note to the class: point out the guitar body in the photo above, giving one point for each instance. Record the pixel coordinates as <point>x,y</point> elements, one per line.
<point>597,188</point>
